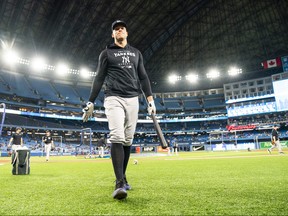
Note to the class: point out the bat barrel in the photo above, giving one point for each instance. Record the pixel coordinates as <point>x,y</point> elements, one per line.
<point>159,132</point>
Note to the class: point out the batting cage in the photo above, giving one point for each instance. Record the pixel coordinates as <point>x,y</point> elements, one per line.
<point>58,144</point>
<point>85,146</point>
<point>228,140</point>
<point>92,145</point>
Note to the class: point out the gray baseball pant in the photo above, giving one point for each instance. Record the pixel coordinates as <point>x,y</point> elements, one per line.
<point>122,115</point>
<point>278,145</point>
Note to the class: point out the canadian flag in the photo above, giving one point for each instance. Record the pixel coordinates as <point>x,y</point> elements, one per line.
<point>272,63</point>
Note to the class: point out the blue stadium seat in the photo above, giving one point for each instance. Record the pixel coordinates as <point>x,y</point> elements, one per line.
<point>45,89</point>
<point>214,103</point>
<point>191,104</point>
<point>158,104</point>
<point>18,85</point>
<point>213,96</point>
<point>172,104</point>
<point>4,86</point>
<point>142,106</point>
<point>83,92</point>
<point>67,92</point>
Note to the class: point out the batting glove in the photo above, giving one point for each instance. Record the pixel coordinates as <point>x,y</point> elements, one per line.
<point>87,111</point>
<point>151,107</point>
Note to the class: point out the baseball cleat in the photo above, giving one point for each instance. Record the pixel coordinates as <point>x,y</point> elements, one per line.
<point>126,185</point>
<point>120,191</point>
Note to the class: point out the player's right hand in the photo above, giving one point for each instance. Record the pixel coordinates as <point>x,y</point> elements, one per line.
<point>87,111</point>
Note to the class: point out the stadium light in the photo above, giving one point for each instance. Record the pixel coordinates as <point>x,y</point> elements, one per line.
<point>38,64</point>
<point>212,74</point>
<point>191,77</point>
<point>10,57</point>
<point>174,78</point>
<point>62,69</point>
<point>84,73</point>
<point>233,71</point>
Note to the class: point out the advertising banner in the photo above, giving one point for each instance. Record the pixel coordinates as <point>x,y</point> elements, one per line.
<point>268,144</point>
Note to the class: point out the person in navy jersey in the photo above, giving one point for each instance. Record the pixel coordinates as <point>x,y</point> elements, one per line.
<point>16,139</point>
<point>49,144</point>
<point>275,140</point>
<point>121,71</point>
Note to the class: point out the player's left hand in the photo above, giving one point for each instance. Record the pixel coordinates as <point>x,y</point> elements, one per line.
<point>87,111</point>
<point>151,108</point>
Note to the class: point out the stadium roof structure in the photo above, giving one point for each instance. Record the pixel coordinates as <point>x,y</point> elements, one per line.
<point>173,35</point>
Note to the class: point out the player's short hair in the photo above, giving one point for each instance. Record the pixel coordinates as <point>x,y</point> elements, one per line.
<point>47,131</point>
<point>18,128</point>
<point>118,22</point>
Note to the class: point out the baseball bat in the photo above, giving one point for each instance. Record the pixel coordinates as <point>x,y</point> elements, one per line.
<point>159,132</point>
<point>157,127</point>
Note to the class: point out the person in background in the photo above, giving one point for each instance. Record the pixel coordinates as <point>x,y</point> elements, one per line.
<point>16,139</point>
<point>275,140</point>
<point>49,144</point>
<point>175,146</point>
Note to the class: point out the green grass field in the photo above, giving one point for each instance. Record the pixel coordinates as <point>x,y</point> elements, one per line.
<point>195,183</point>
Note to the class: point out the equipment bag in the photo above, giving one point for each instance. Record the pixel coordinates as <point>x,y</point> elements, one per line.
<point>21,162</point>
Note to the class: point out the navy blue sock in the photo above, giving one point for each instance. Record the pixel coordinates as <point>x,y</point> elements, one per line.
<point>117,156</point>
<point>127,150</point>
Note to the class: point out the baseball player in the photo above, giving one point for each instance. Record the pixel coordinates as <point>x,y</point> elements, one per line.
<point>16,139</point>
<point>48,140</point>
<point>121,70</point>
<point>175,146</point>
<point>275,140</point>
